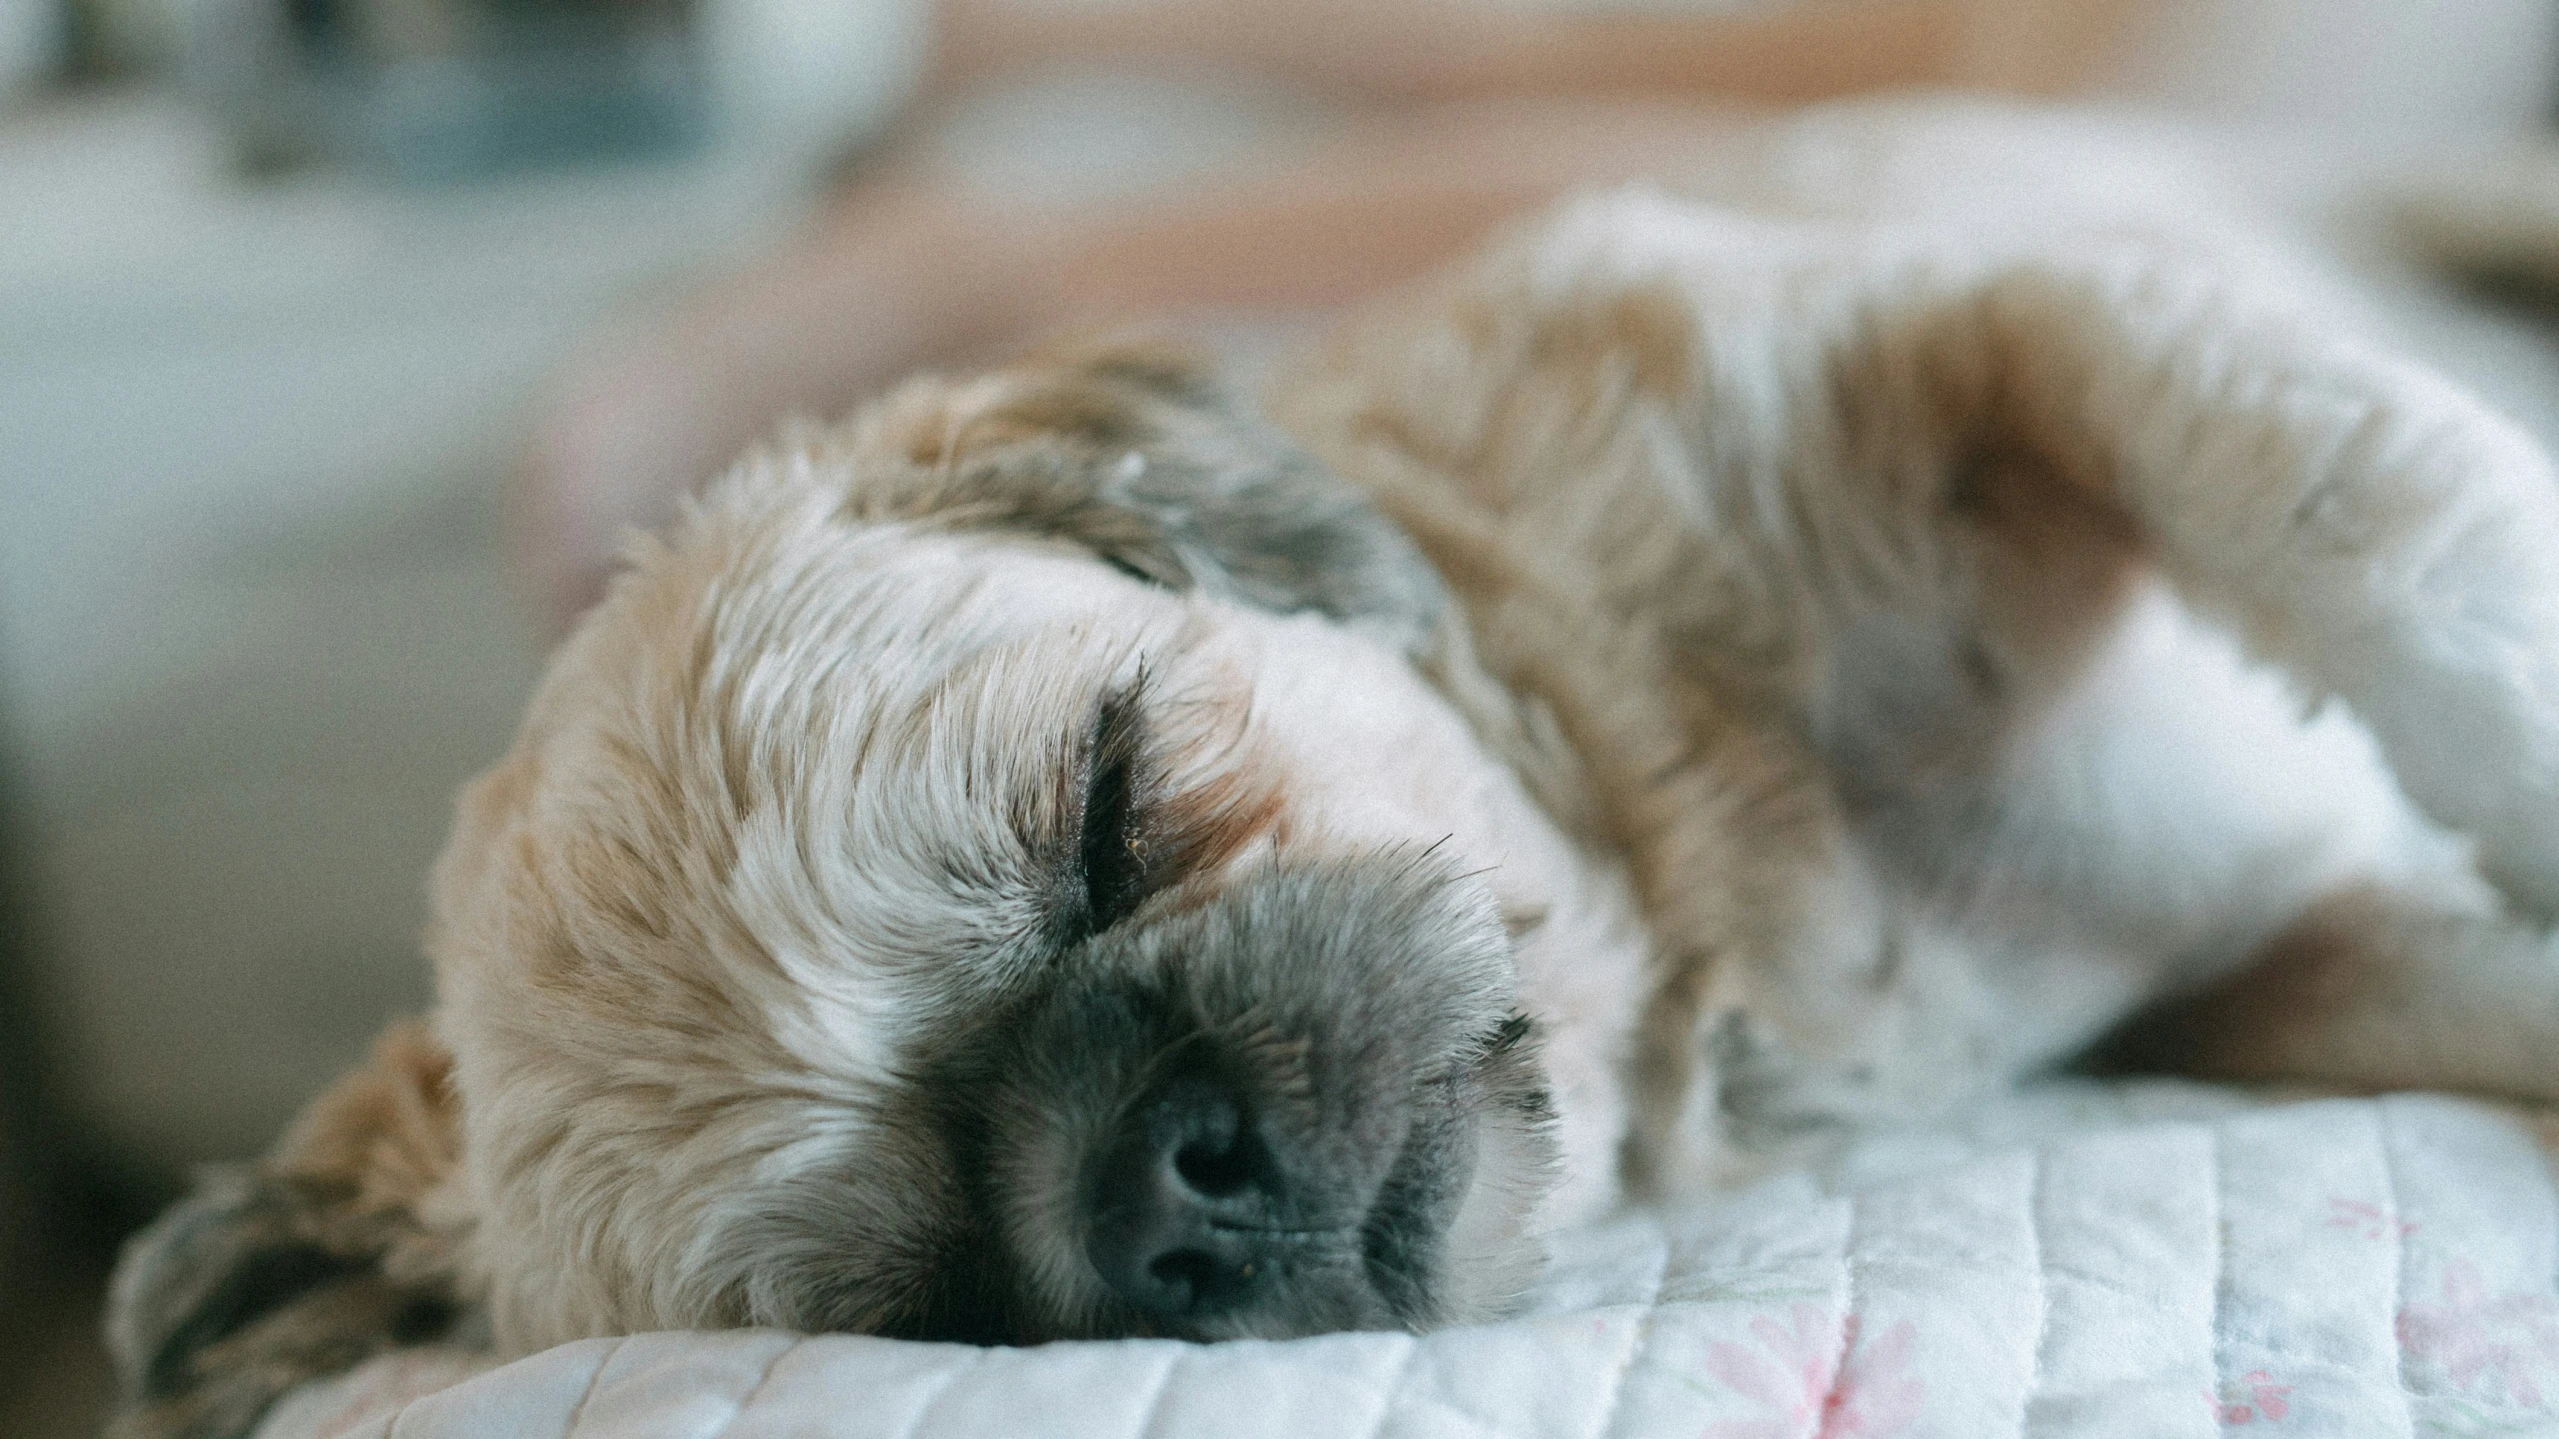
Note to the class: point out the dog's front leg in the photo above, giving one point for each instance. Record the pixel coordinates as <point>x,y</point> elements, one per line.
<point>1878,1008</point>
<point>2357,519</point>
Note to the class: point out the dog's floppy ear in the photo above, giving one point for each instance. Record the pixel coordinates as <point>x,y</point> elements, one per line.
<point>1139,455</point>
<point>306,1264</point>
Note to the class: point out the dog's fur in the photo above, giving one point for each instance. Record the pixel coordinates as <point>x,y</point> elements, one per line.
<point>1683,682</point>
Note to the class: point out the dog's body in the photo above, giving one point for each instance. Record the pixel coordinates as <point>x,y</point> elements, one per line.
<point>1981,622</point>
<point>1049,858</point>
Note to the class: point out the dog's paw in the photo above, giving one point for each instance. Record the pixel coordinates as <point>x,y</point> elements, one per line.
<point>1769,1092</point>
<point>272,1275</point>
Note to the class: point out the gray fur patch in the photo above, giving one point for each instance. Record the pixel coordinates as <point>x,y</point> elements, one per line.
<point>1150,465</point>
<point>243,1292</point>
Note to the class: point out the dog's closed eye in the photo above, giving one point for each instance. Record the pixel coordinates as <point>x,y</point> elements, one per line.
<point>1141,815</point>
<point>1111,853</point>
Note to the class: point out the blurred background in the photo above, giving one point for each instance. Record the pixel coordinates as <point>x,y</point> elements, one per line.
<point>289,289</point>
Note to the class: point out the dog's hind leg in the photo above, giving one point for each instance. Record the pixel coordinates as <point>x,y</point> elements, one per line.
<point>2381,987</point>
<point>2358,520</point>
<point>2496,219</point>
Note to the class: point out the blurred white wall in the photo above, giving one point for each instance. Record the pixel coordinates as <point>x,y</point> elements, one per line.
<point>255,625</point>
<point>30,42</point>
<point>2377,65</point>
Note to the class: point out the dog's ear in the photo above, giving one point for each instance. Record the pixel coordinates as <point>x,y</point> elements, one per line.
<point>327,1252</point>
<point>1137,454</point>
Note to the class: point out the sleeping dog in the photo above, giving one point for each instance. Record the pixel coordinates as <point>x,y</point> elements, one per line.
<point>1060,856</point>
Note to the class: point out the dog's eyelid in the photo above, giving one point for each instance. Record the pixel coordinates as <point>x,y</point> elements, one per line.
<point>1111,850</point>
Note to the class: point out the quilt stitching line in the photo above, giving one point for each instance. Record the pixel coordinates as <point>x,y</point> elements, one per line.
<point>1437,1404</point>
<point>391,1423</point>
<point>2043,1291</point>
<point>748,1398</point>
<point>2383,1135</point>
<point>1625,1370</point>
<point>400,1416</point>
<point>1609,1412</point>
<point>2220,1259</point>
<point>1847,1322</point>
<point>2542,1143</point>
<point>1395,1387</point>
<point>1154,1407</point>
<point>915,1421</point>
<point>594,1381</point>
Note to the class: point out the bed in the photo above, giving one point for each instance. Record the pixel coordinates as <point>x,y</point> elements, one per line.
<point>2080,1259</point>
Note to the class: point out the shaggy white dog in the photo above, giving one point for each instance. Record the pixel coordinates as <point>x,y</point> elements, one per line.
<point>1058,856</point>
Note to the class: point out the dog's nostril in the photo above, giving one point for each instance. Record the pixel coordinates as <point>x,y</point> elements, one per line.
<point>1214,1169</point>
<point>1202,1132</point>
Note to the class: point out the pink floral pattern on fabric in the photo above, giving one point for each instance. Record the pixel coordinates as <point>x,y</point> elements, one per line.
<point>2252,1397</point>
<point>2370,1221</point>
<point>2488,1345</point>
<point>1810,1367</point>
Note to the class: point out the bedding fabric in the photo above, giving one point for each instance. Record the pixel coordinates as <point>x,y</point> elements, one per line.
<point>2148,1259</point>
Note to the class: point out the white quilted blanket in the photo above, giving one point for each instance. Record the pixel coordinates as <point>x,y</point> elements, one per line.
<point>2150,1259</point>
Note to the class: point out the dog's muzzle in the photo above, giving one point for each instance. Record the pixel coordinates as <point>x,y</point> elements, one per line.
<point>1258,1113</point>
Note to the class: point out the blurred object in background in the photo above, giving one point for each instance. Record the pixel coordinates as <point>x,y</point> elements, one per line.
<point>443,88</point>
<point>254,625</point>
<point>255,628</point>
<point>59,1212</point>
<point>2401,67</point>
<point>797,84</point>
<point>438,89</point>
<point>1046,123</point>
<point>117,37</point>
<point>32,47</point>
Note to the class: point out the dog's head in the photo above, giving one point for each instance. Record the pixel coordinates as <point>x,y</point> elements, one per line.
<point>992,873</point>
<point>996,872</point>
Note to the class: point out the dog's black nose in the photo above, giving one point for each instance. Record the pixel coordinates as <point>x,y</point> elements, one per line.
<point>1188,1206</point>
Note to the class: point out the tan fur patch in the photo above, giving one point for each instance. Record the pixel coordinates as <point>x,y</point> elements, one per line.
<point>344,1242</point>
<point>1644,332</point>
<point>388,1134</point>
<point>2059,563</point>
